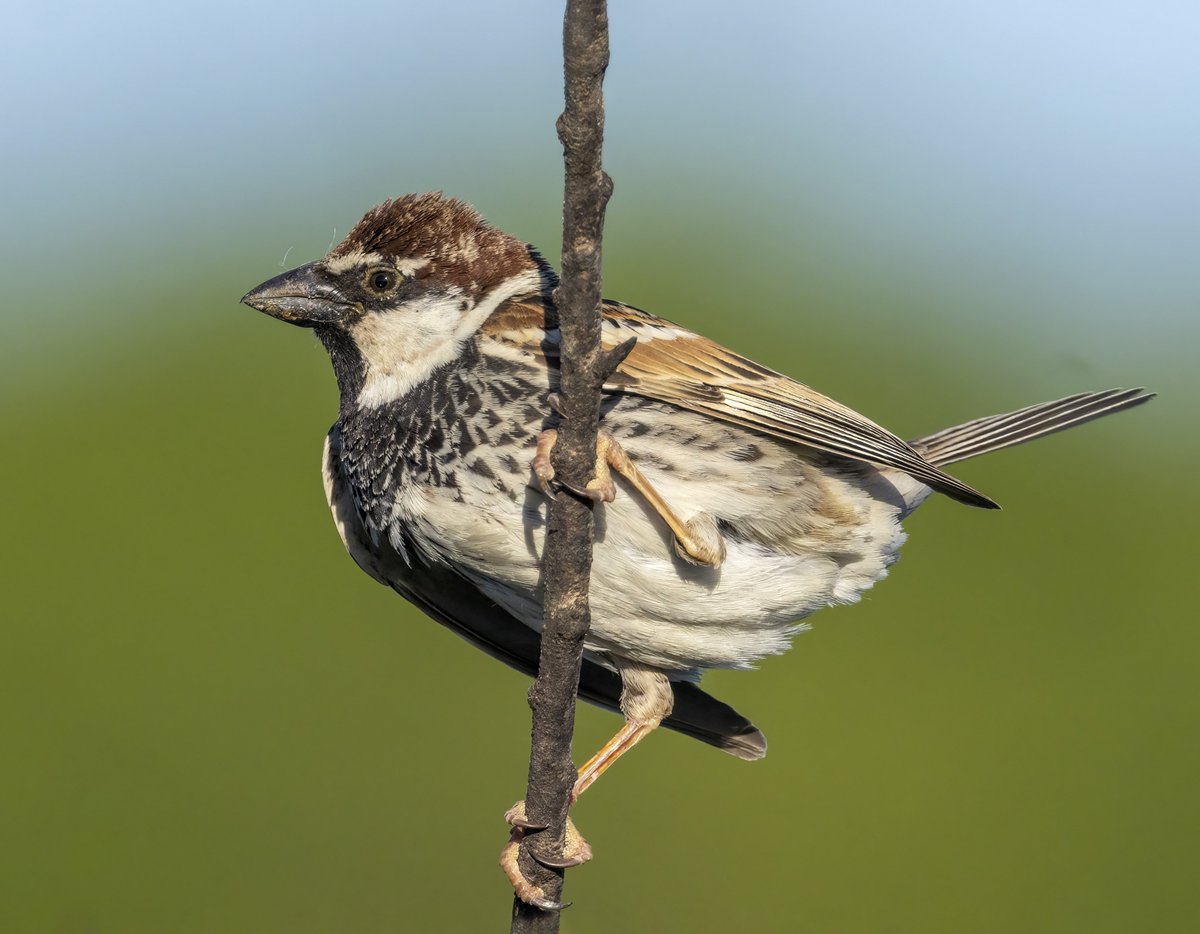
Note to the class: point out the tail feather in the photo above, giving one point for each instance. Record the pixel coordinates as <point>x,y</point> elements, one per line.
<point>993,432</point>
<point>704,717</point>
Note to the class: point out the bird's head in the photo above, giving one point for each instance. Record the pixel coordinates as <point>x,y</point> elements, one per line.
<point>399,297</point>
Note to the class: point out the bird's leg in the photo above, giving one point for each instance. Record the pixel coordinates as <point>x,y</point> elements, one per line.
<point>697,541</point>
<point>646,699</point>
<point>627,737</point>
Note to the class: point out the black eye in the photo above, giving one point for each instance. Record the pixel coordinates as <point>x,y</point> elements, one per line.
<point>381,280</point>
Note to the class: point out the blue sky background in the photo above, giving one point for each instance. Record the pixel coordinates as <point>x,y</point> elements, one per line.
<point>1046,148</point>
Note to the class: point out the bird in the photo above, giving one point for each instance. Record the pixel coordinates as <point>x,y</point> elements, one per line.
<point>731,501</point>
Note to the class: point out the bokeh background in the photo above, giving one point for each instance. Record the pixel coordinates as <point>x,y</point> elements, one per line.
<point>211,721</point>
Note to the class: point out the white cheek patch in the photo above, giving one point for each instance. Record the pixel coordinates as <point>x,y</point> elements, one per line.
<point>403,346</point>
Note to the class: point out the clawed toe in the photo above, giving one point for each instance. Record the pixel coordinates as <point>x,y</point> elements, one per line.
<point>529,893</point>
<point>543,470</point>
<point>702,542</point>
<point>564,861</point>
<point>575,851</point>
<point>515,817</point>
<point>598,491</point>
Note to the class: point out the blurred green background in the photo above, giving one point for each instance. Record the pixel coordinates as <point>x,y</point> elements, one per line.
<point>211,721</point>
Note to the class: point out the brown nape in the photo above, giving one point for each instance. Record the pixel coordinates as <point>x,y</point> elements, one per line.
<point>462,248</point>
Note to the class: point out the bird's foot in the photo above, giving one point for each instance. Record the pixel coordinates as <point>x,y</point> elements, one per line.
<point>702,542</point>
<point>697,541</point>
<point>575,851</point>
<point>543,470</point>
<point>600,489</point>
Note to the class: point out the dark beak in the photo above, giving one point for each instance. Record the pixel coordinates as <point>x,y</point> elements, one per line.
<point>302,296</point>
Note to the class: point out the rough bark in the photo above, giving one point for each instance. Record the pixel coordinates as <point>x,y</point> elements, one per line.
<point>567,559</point>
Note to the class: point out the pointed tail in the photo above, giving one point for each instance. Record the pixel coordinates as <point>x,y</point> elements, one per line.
<point>993,432</point>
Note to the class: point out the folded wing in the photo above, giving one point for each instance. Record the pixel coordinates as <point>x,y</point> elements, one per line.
<point>673,365</point>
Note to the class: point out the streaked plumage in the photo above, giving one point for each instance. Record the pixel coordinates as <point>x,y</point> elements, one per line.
<point>445,378</point>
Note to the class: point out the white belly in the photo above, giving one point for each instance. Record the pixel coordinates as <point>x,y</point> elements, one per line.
<point>785,561</point>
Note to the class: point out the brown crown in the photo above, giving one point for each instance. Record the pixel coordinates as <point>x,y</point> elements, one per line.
<point>462,248</point>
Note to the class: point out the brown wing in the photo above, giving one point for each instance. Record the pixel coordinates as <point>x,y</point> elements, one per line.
<point>673,365</point>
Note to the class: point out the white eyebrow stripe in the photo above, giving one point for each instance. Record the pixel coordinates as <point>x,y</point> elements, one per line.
<point>407,267</point>
<point>355,258</point>
<point>339,264</point>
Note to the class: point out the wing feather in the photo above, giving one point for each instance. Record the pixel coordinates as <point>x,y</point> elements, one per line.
<point>675,366</point>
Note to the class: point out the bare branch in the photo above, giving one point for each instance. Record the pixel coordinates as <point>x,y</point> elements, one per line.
<point>567,559</point>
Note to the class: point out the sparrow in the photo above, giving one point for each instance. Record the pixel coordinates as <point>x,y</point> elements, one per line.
<point>731,501</point>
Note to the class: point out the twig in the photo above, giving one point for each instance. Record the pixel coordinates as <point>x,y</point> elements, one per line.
<point>567,558</point>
